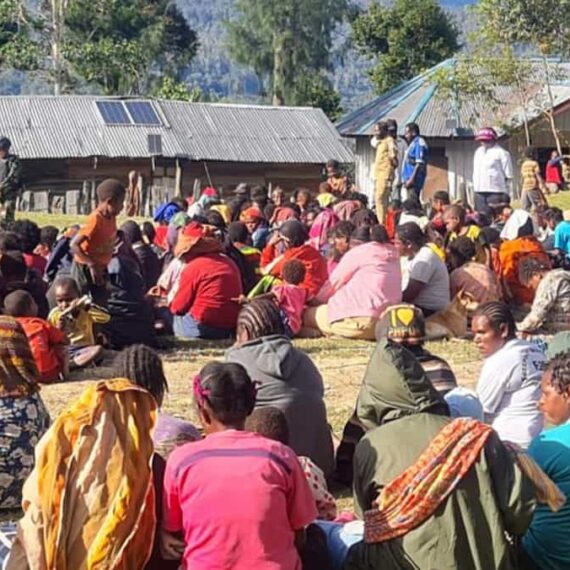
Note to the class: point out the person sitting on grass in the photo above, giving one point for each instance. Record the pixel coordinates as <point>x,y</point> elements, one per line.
<point>292,236</point>
<point>455,221</point>
<point>93,246</point>
<point>339,240</point>
<point>23,416</point>
<point>48,343</point>
<point>439,202</point>
<point>422,506</point>
<point>271,422</point>
<point>289,379</point>
<point>30,235</point>
<point>143,366</point>
<point>77,317</point>
<point>48,238</point>
<point>428,281</point>
<point>470,276</point>
<point>547,541</point>
<point>551,305</point>
<point>235,499</point>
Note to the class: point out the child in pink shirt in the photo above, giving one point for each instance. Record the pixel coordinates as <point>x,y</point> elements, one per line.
<point>290,296</point>
<point>235,499</point>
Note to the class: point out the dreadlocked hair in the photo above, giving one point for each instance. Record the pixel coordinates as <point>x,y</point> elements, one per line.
<point>259,318</point>
<point>498,315</point>
<point>530,266</point>
<point>143,367</point>
<point>560,372</point>
<point>230,391</point>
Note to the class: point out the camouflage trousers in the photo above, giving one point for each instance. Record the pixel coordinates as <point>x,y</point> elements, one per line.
<point>9,213</point>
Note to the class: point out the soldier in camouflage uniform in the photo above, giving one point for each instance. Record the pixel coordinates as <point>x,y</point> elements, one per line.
<point>10,180</point>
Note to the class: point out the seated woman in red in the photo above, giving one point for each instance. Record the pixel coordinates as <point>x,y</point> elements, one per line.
<point>205,304</point>
<point>292,236</point>
<point>235,499</point>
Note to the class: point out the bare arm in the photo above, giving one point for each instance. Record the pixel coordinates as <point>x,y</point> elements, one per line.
<point>413,289</point>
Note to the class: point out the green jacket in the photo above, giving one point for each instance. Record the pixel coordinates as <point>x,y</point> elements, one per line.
<point>12,181</point>
<point>467,531</point>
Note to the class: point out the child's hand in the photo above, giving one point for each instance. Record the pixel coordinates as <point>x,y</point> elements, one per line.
<point>241,300</point>
<point>61,324</point>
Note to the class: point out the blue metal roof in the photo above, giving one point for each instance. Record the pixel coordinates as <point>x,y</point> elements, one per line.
<point>415,101</point>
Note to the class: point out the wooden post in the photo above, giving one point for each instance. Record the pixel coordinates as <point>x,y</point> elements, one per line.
<point>178,182</point>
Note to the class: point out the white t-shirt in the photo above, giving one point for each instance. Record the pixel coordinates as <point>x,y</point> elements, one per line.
<point>509,389</point>
<point>492,167</point>
<point>427,267</point>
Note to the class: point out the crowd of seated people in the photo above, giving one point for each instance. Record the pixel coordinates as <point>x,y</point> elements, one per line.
<point>442,476</point>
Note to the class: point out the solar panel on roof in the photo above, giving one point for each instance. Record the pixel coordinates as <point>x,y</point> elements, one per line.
<point>142,113</point>
<point>113,113</point>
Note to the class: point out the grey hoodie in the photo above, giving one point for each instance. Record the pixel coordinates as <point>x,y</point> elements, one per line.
<point>291,382</point>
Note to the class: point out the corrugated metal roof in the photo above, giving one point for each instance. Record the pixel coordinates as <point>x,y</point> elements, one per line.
<point>43,127</point>
<point>416,101</point>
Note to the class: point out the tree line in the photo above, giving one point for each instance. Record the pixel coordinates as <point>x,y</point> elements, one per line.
<point>146,47</point>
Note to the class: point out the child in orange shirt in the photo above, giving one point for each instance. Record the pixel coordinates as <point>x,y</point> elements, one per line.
<point>93,246</point>
<point>48,344</point>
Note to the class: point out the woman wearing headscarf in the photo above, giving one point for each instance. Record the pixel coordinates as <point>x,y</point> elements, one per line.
<point>204,304</point>
<point>292,236</point>
<point>23,416</point>
<point>435,493</point>
<point>289,379</point>
<point>518,242</point>
<point>90,501</point>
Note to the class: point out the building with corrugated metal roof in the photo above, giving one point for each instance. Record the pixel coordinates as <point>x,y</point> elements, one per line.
<point>69,143</point>
<point>449,126</point>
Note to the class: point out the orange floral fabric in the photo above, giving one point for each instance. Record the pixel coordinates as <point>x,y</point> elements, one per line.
<point>411,498</point>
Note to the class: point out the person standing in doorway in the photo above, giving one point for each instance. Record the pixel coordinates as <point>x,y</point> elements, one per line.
<point>492,169</point>
<point>10,180</point>
<point>384,167</point>
<point>414,168</point>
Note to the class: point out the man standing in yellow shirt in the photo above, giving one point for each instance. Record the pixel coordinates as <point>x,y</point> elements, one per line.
<point>384,168</point>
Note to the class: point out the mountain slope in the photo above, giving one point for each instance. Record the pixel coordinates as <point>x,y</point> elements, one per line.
<point>217,75</point>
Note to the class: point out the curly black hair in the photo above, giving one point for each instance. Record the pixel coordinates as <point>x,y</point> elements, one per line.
<point>294,272</point>
<point>270,422</point>
<point>559,367</point>
<point>29,233</point>
<point>142,366</point>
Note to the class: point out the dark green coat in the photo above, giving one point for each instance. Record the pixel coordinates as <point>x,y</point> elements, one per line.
<point>467,531</point>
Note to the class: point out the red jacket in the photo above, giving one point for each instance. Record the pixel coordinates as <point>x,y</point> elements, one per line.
<point>313,261</point>
<point>48,346</point>
<point>207,288</point>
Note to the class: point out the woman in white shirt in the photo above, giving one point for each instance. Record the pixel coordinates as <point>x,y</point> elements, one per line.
<point>509,384</point>
<point>427,286</point>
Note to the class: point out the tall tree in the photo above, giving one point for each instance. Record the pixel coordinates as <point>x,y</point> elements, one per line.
<point>405,38</point>
<point>542,26</point>
<point>125,46</point>
<point>284,41</point>
<point>18,48</point>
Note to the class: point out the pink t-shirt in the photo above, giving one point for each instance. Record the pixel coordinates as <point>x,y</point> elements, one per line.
<point>366,281</point>
<point>292,300</point>
<point>238,498</point>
